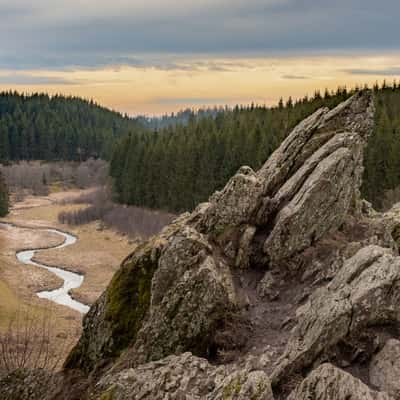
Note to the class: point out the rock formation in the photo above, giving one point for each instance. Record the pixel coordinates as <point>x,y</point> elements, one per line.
<point>284,285</point>
<point>330,383</point>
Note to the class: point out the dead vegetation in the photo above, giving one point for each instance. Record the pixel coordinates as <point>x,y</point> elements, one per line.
<point>28,342</point>
<point>40,178</point>
<point>129,220</point>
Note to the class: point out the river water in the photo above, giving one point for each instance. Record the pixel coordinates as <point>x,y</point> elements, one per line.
<point>71,279</point>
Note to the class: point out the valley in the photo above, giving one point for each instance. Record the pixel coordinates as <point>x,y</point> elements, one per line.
<point>95,255</point>
<point>199,200</point>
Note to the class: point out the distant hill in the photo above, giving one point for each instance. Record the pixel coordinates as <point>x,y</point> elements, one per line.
<point>40,127</point>
<point>179,166</point>
<point>182,117</point>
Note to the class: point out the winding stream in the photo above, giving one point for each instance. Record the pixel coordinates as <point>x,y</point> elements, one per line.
<point>71,279</point>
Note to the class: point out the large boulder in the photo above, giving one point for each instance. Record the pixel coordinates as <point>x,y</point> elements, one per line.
<point>384,371</point>
<point>170,296</point>
<point>306,188</point>
<point>184,377</point>
<point>115,319</point>
<point>192,293</point>
<point>312,181</point>
<point>365,293</point>
<point>330,383</point>
<point>320,205</point>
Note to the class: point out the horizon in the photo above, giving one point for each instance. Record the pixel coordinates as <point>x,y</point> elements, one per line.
<point>161,57</point>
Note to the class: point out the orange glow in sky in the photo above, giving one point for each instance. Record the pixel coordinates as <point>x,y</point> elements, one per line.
<point>207,81</point>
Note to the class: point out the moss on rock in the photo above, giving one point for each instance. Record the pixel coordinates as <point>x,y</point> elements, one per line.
<point>129,295</point>
<point>115,319</point>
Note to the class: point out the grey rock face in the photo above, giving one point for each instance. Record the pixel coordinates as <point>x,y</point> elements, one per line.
<point>353,116</point>
<point>244,385</point>
<point>192,291</point>
<point>320,204</point>
<point>185,377</point>
<point>306,187</point>
<point>114,321</point>
<point>25,385</point>
<point>330,383</point>
<point>364,293</point>
<point>384,370</point>
<point>234,205</point>
<point>313,179</point>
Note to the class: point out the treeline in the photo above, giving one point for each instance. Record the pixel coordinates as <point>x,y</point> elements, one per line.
<point>40,127</point>
<point>180,118</point>
<point>177,167</point>
<point>381,182</point>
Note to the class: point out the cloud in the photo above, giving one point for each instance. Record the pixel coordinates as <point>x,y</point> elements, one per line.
<point>205,101</point>
<point>198,101</point>
<point>391,71</point>
<point>96,33</point>
<point>295,77</point>
<point>23,79</point>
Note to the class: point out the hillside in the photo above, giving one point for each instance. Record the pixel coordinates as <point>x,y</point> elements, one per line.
<point>180,166</point>
<point>39,127</point>
<point>284,285</point>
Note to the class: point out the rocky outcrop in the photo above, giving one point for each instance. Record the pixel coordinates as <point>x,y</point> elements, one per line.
<point>179,292</point>
<point>364,293</point>
<point>25,385</point>
<point>115,319</point>
<point>305,189</point>
<point>384,371</point>
<point>330,383</point>
<point>170,296</point>
<point>282,271</point>
<point>185,377</point>
<point>192,294</point>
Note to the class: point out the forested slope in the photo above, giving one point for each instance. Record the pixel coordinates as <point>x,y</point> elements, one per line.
<point>39,127</point>
<point>382,156</point>
<point>178,167</point>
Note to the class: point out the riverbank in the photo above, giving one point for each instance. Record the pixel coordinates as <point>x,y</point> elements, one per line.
<point>70,280</point>
<point>97,255</point>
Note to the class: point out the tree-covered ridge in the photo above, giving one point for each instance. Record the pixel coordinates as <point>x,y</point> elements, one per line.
<point>381,184</point>
<point>178,167</point>
<point>40,127</point>
<point>180,118</point>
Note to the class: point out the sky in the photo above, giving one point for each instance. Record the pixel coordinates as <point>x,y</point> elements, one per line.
<point>158,56</point>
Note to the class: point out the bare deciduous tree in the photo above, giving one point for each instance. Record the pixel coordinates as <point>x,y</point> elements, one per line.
<point>29,343</point>
<point>36,177</point>
<point>133,221</point>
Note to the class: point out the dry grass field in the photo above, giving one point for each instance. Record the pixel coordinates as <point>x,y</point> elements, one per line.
<point>96,254</point>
